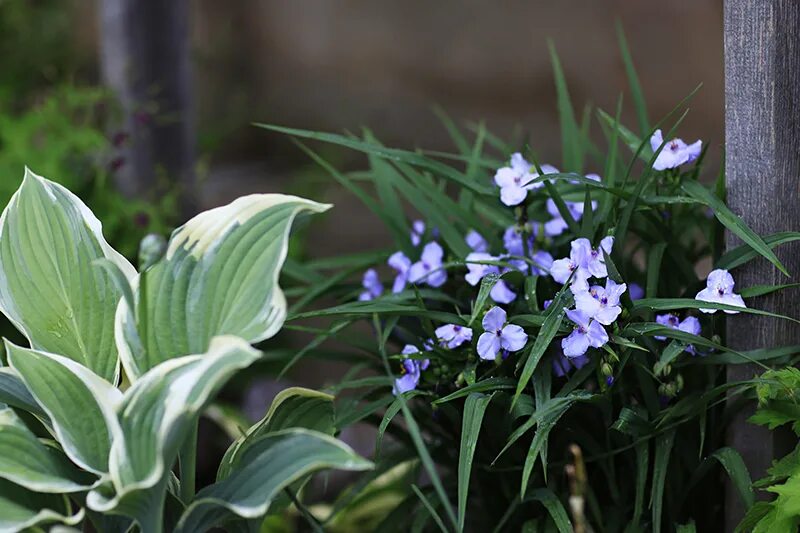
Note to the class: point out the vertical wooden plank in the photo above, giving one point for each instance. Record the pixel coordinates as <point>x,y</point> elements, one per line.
<point>145,60</point>
<point>762,141</point>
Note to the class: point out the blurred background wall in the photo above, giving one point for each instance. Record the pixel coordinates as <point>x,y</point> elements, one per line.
<point>343,64</point>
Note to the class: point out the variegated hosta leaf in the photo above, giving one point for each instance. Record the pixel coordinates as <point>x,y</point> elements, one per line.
<point>267,466</point>
<point>80,404</point>
<point>26,461</point>
<point>13,392</point>
<point>294,407</point>
<point>22,509</point>
<point>49,287</point>
<point>154,419</point>
<point>219,277</point>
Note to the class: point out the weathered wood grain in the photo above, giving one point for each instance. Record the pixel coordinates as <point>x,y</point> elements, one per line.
<point>762,142</point>
<point>145,60</point>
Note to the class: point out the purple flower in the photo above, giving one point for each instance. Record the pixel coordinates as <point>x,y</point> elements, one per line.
<point>562,364</point>
<point>512,240</point>
<point>452,335</point>
<point>428,268</point>
<point>577,263</point>
<point>372,286</point>
<point>689,324</point>
<point>477,271</point>
<point>601,304</point>
<point>546,304</point>
<point>588,332</point>
<point>500,293</point>
<point>417,231</point>
<point>411,370</point>
<point>476,241</point>
<point>401,264</point>
<point>596,263</point>
<point>636,291</point>
<point>515,180</point>
<point>719,289</point>
<point>675,153</point>
<point>498,334</point>
<point>609,381</point>
<point>544,261</point>
<point>557,225</point>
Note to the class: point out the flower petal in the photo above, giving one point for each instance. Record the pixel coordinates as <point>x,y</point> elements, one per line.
<point>488,346</point>
<point>502,294</point>
<point>608,314</point>
<point>504,177</point>
<point>432,254</point>
<point>586,303</point>
<point>561,270</point>
<point>690,325</point>
<point>512,195</point>
<point>513,338</point>
<point>575,344</point>
<point>597,334</point>
<point>578,317</point>
<point>495,319</point>
<point>399,262</point>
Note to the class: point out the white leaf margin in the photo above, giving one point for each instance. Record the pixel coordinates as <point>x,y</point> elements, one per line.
<point>107,396</point>
<point>203,233</point>
<point>92,222</point>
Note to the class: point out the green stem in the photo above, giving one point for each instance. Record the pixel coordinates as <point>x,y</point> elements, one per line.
<point>188,462</point>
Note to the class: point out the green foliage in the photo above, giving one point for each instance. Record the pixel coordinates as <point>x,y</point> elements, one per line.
<point>646,409</point>
<point>79,444</point>
<point>64,133</point>
<point>778,405</point>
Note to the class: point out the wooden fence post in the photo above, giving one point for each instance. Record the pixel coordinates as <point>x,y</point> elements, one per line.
<point>145,60</point>
<point>762,142</point>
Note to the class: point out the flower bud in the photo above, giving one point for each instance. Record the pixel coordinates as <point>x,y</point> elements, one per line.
<point>606,369</point>
<point>151,249</point>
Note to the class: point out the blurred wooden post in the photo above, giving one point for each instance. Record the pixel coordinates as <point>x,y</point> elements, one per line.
<point>762,142</point>
<point>145,60</point>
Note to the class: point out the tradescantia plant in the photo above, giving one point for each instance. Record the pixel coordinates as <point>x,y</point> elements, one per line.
<point>98,416</point>
<point>548,344</point>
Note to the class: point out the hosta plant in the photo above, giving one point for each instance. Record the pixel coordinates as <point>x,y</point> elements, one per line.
<point>548,342</point>
<point>98,420</point>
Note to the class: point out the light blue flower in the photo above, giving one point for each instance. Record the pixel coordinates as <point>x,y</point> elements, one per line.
<point>563,364</point>
<point>499,335</point>
<point>453,335</point>
<point>401,264</point>
<point>501,293</point>
<point>515,180</point>
<point>372,286</point>
<point>512,240</point>
<point>476,241</point>
<point>689,324</point>
<point>411,370</point>
<point>429,268</point>
<point>719,289</point>
<point>543,262</point>
<point>601,303</point>
<point>636,291</point>
<point>575,265</point>
<point>417,231</point>
<point>675,153</point>
<point>588,332</point>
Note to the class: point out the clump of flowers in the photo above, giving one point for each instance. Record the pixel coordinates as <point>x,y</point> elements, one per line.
<point>533,308</point>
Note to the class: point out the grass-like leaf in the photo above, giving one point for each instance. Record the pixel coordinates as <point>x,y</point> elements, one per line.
<point>474,409</point>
